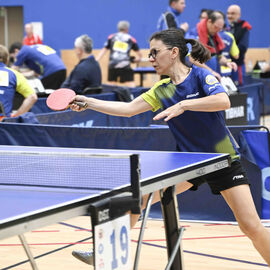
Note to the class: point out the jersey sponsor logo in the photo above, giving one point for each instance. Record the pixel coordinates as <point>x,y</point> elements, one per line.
<point>192,95</point>
<point>212,87</point>
<point>4,78</point>
<point>237,177</point>
<point>211,79</point>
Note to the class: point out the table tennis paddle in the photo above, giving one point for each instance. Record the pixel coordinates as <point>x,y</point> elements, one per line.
<point>60,99</point>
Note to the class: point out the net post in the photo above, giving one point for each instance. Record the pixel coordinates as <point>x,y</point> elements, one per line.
<point>135,176</point>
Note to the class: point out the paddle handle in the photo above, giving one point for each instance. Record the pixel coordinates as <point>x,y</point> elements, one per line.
<point>81,104</point>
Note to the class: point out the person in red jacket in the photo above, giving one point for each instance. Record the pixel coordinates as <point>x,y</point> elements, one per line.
<point>31,38</point>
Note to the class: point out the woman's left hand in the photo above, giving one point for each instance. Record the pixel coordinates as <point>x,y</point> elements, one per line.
<point>170,112</point>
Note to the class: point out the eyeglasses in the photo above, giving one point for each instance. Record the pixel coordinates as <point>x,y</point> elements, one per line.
<point>154,52</point>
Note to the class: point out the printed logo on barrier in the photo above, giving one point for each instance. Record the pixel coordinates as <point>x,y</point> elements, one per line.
<point>250,109</point>
<point>211,79</point>
<point>89,123</point>
<point>266,183</point>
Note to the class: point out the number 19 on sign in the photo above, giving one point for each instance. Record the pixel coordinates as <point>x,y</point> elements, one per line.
<point>112,245</point>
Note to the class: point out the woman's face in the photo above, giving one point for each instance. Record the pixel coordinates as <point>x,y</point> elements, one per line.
<point>160,57</point>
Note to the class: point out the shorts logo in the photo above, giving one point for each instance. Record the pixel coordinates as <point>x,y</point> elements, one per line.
<point>211,79</point>
<point>237,177</point>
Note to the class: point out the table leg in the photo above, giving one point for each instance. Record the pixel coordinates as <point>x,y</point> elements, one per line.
<point>170,213</point>
<point>28,252</point>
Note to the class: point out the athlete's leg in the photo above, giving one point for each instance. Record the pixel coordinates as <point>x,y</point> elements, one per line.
<point>113,75</point>
<point>179,188</point>
<point>240,201</point>
<point>127,77</point>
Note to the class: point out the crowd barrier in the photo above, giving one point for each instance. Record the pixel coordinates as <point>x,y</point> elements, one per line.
<point>253,90</point>
<point>87,118</point>
<point>265,92</point>
<point>254,101</point>
<point>199,205</point>
<point>109,92</point>
<point>255,147</point>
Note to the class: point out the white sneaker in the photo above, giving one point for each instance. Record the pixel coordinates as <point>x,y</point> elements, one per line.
<point>84,256</point>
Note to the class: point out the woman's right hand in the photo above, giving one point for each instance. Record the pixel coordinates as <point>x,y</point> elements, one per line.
<point>79,103</point>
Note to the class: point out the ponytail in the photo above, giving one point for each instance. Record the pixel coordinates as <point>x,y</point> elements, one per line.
<point>198,52</point>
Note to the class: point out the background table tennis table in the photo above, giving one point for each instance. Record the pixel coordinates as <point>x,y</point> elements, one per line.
<point>26,207</point>
<point>143,70</point>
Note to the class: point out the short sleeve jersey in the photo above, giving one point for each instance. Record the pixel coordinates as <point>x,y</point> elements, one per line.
<point>40,58</point>
<point>230,50</point>
<point>120,45</point>
<point>194,131</point>
<point>10,82</point>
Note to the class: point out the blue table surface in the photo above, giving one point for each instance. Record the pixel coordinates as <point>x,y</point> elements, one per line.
<point>17,201</point>
<point>144,69</point>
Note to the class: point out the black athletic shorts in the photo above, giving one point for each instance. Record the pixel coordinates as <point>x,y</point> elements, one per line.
<point>226,178</point>
<point>125,75</point>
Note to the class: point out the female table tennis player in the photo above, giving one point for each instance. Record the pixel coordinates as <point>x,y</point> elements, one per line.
<point>192,101</point>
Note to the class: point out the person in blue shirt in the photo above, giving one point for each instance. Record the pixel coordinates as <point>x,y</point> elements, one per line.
<point>12,81</point>
<point>192,102</point>
<point>170,18</point>
<point>43,60</point>
<point>87,73</point>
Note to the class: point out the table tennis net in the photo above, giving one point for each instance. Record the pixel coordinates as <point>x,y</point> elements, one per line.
<point>66,170</point>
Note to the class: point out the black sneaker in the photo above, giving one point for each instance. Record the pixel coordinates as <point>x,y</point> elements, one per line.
<point>84,256</point>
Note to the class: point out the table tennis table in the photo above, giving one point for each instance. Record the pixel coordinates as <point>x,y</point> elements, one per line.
<point>45,185</point>
<point>142,71</point>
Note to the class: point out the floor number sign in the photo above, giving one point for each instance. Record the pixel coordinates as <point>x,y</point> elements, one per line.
<point>112,245</point>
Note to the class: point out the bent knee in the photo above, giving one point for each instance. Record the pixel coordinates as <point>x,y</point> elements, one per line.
<point>251,228</point>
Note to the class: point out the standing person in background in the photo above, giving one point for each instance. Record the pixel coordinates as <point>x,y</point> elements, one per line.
<point>87,72</point>
<point>240,29</point>
<point>170,18</point>
<point>42,60</point>
<point>120,44</point>
<point>12,81</point>
<point>31,38</point>
<point>207,32</point>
